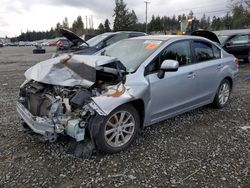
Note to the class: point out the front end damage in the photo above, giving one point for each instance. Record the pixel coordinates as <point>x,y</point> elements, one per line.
<point>51,110</point>
<point>58,95</point>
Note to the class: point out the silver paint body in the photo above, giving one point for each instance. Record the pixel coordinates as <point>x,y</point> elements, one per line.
<point>190,87</point>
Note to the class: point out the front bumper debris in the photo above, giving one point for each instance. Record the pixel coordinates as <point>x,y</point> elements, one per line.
<point>46,127</point>
<point>37,124</point>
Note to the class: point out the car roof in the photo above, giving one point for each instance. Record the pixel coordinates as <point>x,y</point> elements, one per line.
<point>106,34</point>
<point>167,37</point>
<point>232,32</point>
<point>131,32</point>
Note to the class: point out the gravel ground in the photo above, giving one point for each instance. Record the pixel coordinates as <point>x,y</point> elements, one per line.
<point>201,148</point>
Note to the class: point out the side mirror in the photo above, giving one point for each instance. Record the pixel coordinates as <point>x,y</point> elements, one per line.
<point>228,44</point>
<point>168,66</point>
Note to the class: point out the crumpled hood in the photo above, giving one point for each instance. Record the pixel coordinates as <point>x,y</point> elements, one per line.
<point>68,70</point>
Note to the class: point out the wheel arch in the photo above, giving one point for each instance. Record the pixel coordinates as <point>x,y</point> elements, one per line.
<point>138,104</point>
<point>97,120</point>
<point>230,81</point>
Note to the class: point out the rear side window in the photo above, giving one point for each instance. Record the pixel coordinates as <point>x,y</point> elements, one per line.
<point>240,39</point>
<point>204,51</point>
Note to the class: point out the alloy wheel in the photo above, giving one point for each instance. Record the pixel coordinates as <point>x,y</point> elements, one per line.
<point>119,129</point>
<point>224,93</point>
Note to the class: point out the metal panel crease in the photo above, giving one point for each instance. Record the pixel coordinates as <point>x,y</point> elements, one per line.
<point>68,70</point>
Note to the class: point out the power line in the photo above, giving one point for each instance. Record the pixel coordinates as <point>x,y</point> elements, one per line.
<point>215,11</point>
<point>198,7</point>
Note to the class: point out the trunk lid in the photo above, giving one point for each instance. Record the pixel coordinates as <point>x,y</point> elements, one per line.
<point>206,34</point>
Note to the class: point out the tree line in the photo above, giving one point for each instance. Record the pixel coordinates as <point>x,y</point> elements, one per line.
<point>126,20</point>
<point>77,27</point>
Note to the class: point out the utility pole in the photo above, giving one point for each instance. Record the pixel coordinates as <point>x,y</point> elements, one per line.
<point>86,22</point>
<point>146,2</point>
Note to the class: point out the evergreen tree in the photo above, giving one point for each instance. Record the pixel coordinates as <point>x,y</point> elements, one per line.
<point>57,30</point>
<point>101,28</point>
<point>190,15</point>
<point>132,20</point>
<point>204,22</point>
<point>121,14</point>
<point>74,27</point>
<point>106,26</point>
<point>65,23</point>
<point>227,21</point>
<point>78,26</point>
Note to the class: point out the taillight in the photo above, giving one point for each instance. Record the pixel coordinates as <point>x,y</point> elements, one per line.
<point>236,61</point>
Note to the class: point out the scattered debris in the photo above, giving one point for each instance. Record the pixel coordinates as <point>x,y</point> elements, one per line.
<point>245,127</point>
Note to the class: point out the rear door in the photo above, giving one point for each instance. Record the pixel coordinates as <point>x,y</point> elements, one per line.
<point>209,64</point>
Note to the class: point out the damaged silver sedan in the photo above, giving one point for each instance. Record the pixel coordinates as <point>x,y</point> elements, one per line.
<point>107,98</point>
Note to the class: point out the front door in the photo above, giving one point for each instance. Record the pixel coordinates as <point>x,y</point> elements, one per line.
<point>175,93</point>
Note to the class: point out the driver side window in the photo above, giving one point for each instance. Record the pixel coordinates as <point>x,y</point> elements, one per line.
<point>179,51</point>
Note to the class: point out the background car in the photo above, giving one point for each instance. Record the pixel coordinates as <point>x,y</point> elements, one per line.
<point>103,40</point>
<point>63,44</point>
<point>129,85</point>
<point>93,45</point>
<point>53,43</point>
<point>236,42</point>
<point>1,44</point>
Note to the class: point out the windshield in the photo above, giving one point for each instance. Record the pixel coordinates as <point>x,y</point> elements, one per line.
<point>132,53</point>
<point>97,39</point>
<point>222,38</point>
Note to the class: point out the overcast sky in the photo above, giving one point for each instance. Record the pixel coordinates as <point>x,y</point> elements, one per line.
<point>23,15</point>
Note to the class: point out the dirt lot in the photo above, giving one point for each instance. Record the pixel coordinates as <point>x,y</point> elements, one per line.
<point>202,148</point>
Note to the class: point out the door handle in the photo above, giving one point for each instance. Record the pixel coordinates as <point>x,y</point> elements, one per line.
<point>191,75</point>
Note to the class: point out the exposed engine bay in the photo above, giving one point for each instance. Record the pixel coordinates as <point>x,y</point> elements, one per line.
<point>57,106</point>
<point>50,109</point>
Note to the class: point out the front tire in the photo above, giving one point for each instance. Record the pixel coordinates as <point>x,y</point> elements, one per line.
<point>118,130</point>
<point>223,94</point>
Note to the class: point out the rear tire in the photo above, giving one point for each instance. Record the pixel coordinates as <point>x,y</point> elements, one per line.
<point>39,51</point>
<point>223,94</point>
<point>118,130</point>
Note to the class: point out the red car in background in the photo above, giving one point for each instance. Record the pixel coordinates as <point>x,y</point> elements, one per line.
<point>63,44</point>
<point>53,43</point>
